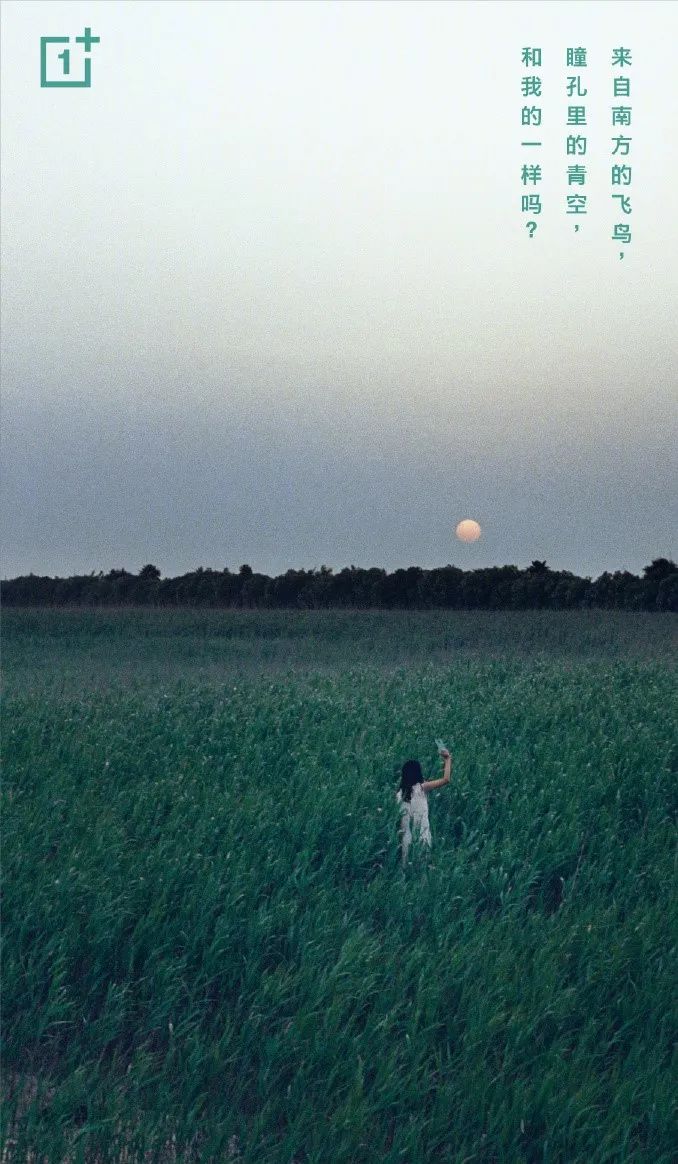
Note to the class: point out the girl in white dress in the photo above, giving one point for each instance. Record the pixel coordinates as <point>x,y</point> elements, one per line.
<point>412,798</point>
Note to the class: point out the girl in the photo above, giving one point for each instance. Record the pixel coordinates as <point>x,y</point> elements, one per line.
<point>411,797</point>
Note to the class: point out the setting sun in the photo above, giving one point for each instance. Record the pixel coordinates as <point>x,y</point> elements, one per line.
<point>468,530</point>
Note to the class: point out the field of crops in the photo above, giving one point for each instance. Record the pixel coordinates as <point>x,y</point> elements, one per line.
<point>211,953</point>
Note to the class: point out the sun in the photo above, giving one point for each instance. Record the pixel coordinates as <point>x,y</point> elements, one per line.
<point>468,530</point>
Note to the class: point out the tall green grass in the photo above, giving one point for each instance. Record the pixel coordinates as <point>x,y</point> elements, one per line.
<point>207,934</point>
<point>87,649</point>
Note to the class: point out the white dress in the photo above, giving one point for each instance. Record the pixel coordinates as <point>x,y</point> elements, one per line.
<point>414,813</point>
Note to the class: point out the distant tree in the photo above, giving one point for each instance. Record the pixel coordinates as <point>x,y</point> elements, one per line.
<point>667,594</point>
<point>447,587</point>
<point>659,569</point>
<point>570,592</point>
<point>444,586</point>
<point>401,588</point>
<point>253,589</point>
<point>116,587</point>
<point>653,576</point>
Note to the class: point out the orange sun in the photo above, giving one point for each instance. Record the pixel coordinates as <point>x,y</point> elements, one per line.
<point>468,530</point>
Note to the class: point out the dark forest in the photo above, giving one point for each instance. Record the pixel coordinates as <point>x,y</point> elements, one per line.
<point>445,587</point>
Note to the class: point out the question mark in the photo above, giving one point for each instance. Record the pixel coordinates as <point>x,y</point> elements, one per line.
<point>532,225</point>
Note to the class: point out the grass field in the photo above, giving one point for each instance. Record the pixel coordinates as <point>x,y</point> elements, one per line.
<point>210,951</point>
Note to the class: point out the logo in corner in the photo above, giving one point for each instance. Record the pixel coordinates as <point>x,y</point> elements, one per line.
<point>58,64</point>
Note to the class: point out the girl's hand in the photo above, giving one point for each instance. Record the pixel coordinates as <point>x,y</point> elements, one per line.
<point>445,754</point>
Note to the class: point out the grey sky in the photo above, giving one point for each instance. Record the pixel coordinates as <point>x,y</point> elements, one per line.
<point>269,295</point>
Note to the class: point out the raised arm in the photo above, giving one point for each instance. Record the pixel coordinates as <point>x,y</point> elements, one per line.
<point>429,785</point>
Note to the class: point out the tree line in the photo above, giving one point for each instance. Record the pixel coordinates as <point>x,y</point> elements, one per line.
<point>447,587</point>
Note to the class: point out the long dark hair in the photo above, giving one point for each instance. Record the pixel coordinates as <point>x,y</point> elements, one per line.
<point>410,775</point>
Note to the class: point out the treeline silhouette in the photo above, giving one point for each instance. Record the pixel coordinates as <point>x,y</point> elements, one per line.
<point>495,588</point>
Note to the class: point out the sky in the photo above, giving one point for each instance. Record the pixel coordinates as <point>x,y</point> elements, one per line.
<point>270,296</point>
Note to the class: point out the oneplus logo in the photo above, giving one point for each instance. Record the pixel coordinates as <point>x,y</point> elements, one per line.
<point>59,63</point>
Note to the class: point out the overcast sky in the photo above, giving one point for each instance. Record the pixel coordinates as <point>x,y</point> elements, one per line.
<point>269,295</point>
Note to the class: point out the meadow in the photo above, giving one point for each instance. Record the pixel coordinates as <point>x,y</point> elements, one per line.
<point>211,952</point>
